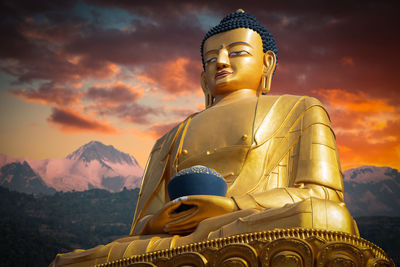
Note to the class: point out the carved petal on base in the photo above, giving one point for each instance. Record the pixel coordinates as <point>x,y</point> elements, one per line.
<point>142,264</point>
<point>378,263</point>
<point>188,259</point>
<point>236,255</point>
<point>287,252</point>
<point>340,254</point>
<point>234,262</point>
<point>295,247</point>
<point>192,259</point>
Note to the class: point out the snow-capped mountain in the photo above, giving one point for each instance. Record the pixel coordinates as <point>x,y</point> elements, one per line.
<point>95,150</point>
<point>93,165</point>
<point>371,190</point>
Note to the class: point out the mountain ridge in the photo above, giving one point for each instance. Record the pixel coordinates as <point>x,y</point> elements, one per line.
<point>93,165</point>
<point>372,190</point>
<point>369,190</point>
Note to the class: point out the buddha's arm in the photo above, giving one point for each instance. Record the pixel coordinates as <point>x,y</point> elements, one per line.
<point>279,197</point>
<point>154,209</point>
<point>152,196</point>
<point>316,167</point>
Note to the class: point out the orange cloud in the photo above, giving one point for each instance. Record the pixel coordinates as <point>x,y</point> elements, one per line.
<point>176,73</point>
<point>180,112</point>
<point>359,101</point>
<point>200,106</point>
<point>358,150</point>
<point>159,129</point>
<point>71,121</point>
<point>178,76</point>
<point>86,68</point>
<point>367,129</point>
<point>347,61</point>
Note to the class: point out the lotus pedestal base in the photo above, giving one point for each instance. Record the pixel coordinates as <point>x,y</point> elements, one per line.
<point>281,247</point>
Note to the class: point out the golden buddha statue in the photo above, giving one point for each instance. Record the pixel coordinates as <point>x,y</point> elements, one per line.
<point>277,155</point>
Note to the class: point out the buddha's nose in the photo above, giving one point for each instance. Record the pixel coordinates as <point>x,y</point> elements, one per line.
<point>223,59</point>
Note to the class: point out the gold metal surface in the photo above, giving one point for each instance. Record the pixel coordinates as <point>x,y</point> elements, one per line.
<point>279,158</point>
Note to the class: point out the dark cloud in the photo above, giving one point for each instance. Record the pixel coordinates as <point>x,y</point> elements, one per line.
<point>127,112</point>
<point>29,62</point>
<point>312,45</point>
<point>116,93</point>
<point>120,100</point>
<point>134,113</point>
<point>71,121</point>
<point>312,37</point>
<point>35,40</point>
<point>139,44</point>
<point>49,93</point>
<point>20,8</point>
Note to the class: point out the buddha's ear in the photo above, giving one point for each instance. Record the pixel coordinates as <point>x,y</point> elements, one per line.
<point>207,94</point>
<point>268,71</point>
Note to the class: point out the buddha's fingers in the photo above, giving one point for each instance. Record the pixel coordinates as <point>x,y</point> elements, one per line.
<point>181,229</point>
<point>177,215</point>
<point>211,205</point>
<point>183,220</point>
<point>171,206</point>
<point>198,199</point>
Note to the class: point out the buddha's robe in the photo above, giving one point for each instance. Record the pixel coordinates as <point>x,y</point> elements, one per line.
<point>278,156</point>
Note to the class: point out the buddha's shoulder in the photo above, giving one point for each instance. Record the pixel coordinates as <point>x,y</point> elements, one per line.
<point>279,107</point>
<point>290,99</point>
<point>279,112</point>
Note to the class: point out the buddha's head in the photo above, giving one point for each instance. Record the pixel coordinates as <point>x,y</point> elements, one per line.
<point>238,53</point>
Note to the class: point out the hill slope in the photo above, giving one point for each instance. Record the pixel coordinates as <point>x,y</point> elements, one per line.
<point>33,229</point>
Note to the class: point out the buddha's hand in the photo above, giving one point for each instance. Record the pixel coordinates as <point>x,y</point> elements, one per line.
<point>204,206</point>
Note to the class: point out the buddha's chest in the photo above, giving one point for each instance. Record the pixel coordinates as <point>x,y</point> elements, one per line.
<point>218,136</point>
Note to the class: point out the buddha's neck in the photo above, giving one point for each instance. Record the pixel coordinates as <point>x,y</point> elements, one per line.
<point>227,98</point>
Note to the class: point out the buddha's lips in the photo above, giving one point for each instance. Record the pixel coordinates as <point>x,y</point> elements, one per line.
<point>222,74</point>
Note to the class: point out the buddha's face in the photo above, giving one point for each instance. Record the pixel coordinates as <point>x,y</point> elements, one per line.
<point>233,60</point>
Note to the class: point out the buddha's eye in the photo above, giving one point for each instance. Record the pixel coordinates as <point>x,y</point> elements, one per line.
<point>210,61</point>
<point>239,53</point>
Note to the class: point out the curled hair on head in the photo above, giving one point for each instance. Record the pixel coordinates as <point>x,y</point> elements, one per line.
<point>240,19</point>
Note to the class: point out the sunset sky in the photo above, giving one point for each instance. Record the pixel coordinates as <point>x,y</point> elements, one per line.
<point>124,72</point>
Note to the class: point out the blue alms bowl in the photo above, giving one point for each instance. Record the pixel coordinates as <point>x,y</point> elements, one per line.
<point>196,180</point>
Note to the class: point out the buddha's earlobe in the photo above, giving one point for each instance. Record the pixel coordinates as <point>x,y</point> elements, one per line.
<point>264,85</point>
<point>268,71</point>
<point>207,94</point>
